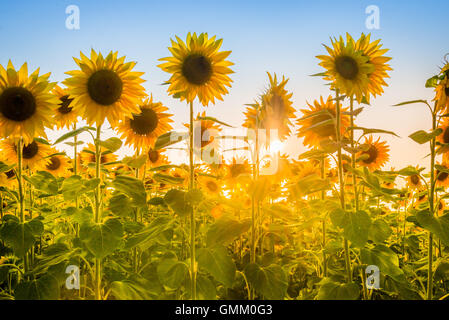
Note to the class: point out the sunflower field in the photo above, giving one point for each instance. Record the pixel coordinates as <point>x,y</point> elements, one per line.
<point>333,224</point>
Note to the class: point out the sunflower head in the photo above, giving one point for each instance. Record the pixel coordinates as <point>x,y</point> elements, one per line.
<point>35,154</point>
<point>87,155</point>
<point>58,165</point>
<point>442,177</point>
<point>198,69</point>
<point>105,88</point>
<point>156,158</point>
<point>375,153</point>
<point>143,128</point>
<point>209,184</point>
<point>318,122</point>
<point>347,68</point>
<point>64,115</point>
<point>26,107</point>
<point>414,182</point>
<point>204,132</point>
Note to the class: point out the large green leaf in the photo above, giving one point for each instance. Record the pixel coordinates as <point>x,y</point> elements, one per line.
<point>75,186</point>
<point>385,259</point>
<point>73,133</point>
<point>218,263</point>
<point>172,273</point>
<point>206,288</point>
<point>379,231</point>
<point>20,236</point>
<point>121,206</point>
<point>133,188</point>
<point>44,288</point>
<point>439,226</point>
<point>102,239</point>
<point>176,200</point>
<point>356,225</point>
<point>331,290</point>
<point>112,144</point>
<point>225,230</point>
<point>422,137</point>
<point>271,281</point>
<point>144,237</point>
<point>44,181</point>
<point>133,288</point>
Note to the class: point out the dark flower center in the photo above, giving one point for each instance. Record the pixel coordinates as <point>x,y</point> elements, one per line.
<point>206,137</point>
<point>414,179</point>
<point>440,205</point>
<point>446,135</point>
<point>54,164</point>
<point>145,122</point>
<point>102,158</point>
<point>197,69</point>
<point>347,67</point>
<point>65,105</point>
<point>372,154</point>
<point>10,174</point>
<point>236,169</point>
<point>29,151</point>
<point>17,104</point>
<point>105,87</point>
<point>153,155</point>
<point>442,175</point>
<point>446,91</point>
<point>212,186</point>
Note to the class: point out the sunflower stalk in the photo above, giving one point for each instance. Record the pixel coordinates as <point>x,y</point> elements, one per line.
<point>192,213</point>
<point>97,216</point>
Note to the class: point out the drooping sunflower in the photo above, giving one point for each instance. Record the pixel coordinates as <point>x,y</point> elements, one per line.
<point>87,155</point>
<point>375,154</point>
<point>105,88</point>
<point>35,154</point>
<point>26,105</point>
<point>64,116</point>
<point>142,130</point>
<point>318,122</point>
<point>375,53</point>
<point>278,107</point>
<point>58,165</point>
<point>442,178</point>
<point>347,68</point>
<point>253,116</point>
<point>209,184</point>
<point>442,90</point>
<point>198,69</point>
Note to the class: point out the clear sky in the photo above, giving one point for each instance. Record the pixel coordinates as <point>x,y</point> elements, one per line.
<point>276,36</point>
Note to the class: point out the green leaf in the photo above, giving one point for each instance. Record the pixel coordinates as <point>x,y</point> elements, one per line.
<point>356,225</point>
<point>167,179</point>
<point>439,226</point>
<point>121,206</point>
<point>218,263</point>
<point>20,236</point>
<point>72,134</point>
<point>168,139</point>
<point>136,162</point>
<point>206,288</point>
<point>379,231</point>
<point>172,273</point>
<point>410,102</point>
<point>44,288</point>
<point>370,131</point>
<point>44,181</point>
<point>112,144</point>
<point>385,259</point>
<point>176,200</point>
<point>225,230</point>
<point>271,281</point>
<point>215,120</point>
<point>102,239</point>
<point>330,290</point>
<point>75,186</point>
<point>422,137</point>
<point>144,237</point>
<point>133,188</point>
<point>432,82</point>
<point>133,288</point>
<point>310,184</point>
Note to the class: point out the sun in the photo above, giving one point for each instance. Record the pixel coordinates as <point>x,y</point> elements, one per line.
<point>142,130</point>
<point>105,88</point>
<point>198,69</point>
<point>26,105</point>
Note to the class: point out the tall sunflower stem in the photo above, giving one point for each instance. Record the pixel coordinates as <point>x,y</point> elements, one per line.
<point>97,216</point>
<point>21,193</point>
<point>192,213</point>
<point>341,181</point>
<point>323,195</point>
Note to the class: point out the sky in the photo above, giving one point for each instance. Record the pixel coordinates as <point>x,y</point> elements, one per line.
<point>282,37</point>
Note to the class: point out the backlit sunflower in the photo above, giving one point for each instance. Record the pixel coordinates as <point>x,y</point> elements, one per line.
<point>414,182</point>
<point>375,53</point>
<point>35,154</point>
<point>105,88</point>
<point>441,207</point>
<point>278,107</point>
<point>209,184</point>
<point>204,132</point>
<point>375,154</point>
<point>58,165</point>
<point>442,90</point>
<point>142,130</point>
<point>87,155</point>
<point>7,179</point>
<point>26,105</point>
<point>318,122</point>
<point>64,115</point>
<point>442,178</point>
<point>443,138</point>
<point>307,168</point>
<point>156,158</point>
<point>253,116</point>
<point>347,68</point>
<point>198,69</point>
<point>238,167</point>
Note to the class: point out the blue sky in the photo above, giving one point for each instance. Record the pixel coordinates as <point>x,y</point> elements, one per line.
<point>276,36</point>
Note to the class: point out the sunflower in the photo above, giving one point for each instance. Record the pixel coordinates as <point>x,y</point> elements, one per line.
<point>209,184</point>
<point>26,105</point>
<point>58,165</point>
<point>87,155</point>
<point>278,107</point>
<point>441,207</point>
<point>7,179</point>
<point>442,90</point>
<point>35,154</point>
<point>307,168</point>
<point>443,138</point>
<point>347,68</point>
<point>375,53</point>
<point>105,88</point>
<point>375,153</point>
<point>253,116</point>
<point>146,126</point>
<point>442,178</point>
<point>414,181</point>
<point>198,69</point>
<point>204,132</point>
<point>156,158</point>
<point>238,167</point>
<point>318,122</point>
<point>64,116</point>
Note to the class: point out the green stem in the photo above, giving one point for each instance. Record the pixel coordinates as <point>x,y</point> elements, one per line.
<point>324,222</point>
<point>341,181</point>
<point>21,193</point>
<point>97,216</point>
<point>192,212</point>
